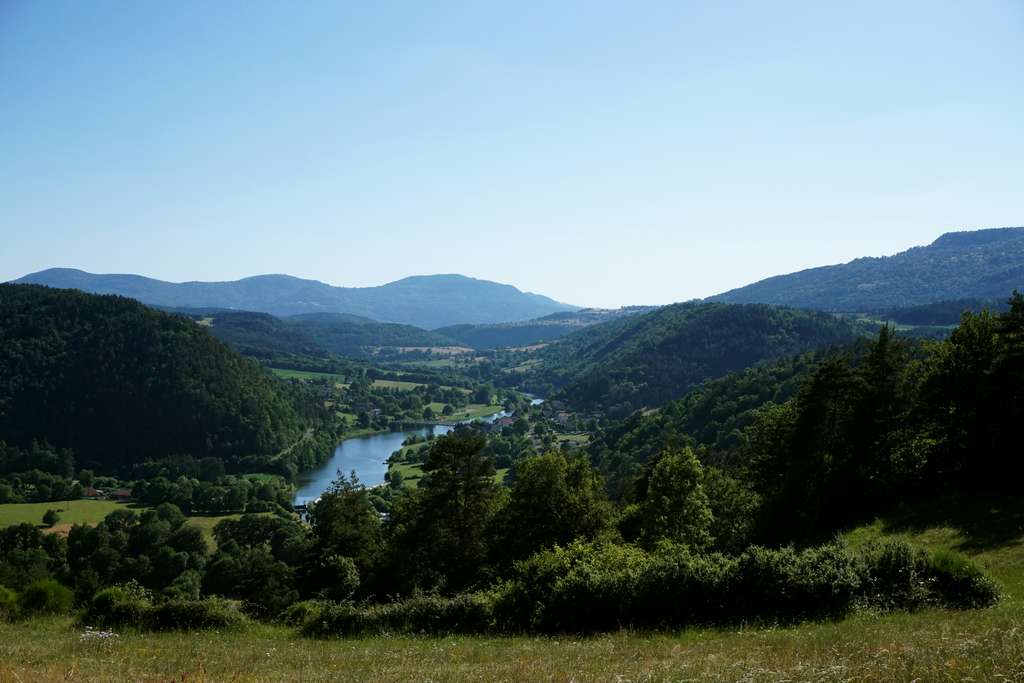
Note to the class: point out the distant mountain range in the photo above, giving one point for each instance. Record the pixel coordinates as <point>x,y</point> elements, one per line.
<point>980,264</point>
<point>427,301</point>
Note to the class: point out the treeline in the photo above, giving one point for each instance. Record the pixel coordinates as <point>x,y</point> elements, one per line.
<point>118,383</point>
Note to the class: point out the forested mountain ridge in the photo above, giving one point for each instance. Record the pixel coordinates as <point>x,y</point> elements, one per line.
<point>659,356</point>
<point>428,301</point>
<point>313,335</point>
<point>980,264</point>
<point>537,331</point>
<point>119,383</point>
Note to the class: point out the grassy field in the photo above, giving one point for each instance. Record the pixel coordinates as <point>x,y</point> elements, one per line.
<point>87,512</point>
<point>71,512</point>
<point>412,473</point>
<point>932,645</point>
<point>470,412</point>
<point>304,374</point>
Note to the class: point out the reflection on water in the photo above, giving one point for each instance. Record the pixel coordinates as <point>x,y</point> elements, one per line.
<point>367,456</point>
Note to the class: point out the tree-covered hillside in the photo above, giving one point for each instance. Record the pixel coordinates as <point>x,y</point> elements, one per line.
<point>260,335</point>
<point>528,332</point>
<point>119,383</point>
<point>941,312</point>
<point>354,337</point>
<point>981,264</point>
<point>650,359</point>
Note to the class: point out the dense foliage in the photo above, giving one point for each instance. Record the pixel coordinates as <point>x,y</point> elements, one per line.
<point>819,441</point>
<point>650,359</point>
<point>119,383</point>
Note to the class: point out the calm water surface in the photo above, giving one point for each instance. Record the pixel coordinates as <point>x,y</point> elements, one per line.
<point>367,455</point>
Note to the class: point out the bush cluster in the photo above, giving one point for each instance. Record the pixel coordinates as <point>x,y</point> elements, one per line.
<point>600,587</point>
<point>130,606</point>
<point>465,613</point>
<point>587,587</point>
<point>43,596</point>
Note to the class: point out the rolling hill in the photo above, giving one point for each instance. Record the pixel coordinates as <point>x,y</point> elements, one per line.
<point>656,357</point>
<point>120,383</point>
<point>311,335</point>
<point>428,301</point>
<point>980,264</point>
<point>540,330</point>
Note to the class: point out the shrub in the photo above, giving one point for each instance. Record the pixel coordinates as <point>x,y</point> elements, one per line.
<point>125,605</point>
<point>960,583</point>
<point>45,596</point>
<point>340,619</point>
<point>50,518</point>
<point>464,613</point>
<point>785,583</point>
<point>593,587</point>
<point>303,612</point>
<point>679,587</point>
<point>429,614</point>
<point>8,604</point>
<point>895,576</point>
<point>190,615</point>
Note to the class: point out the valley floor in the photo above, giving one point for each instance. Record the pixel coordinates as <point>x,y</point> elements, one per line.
<point>933,645</point>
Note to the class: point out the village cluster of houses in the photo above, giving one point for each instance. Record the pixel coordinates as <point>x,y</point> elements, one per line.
<point>122,495</point>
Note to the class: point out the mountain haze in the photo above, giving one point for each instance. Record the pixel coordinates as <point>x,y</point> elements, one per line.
<point>980,264</point>
<point>427,301</point>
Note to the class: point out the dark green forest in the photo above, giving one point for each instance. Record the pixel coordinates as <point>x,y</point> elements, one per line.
<point>650,359</point>
<point>115,383</point>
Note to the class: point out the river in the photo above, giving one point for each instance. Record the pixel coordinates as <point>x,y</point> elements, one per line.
<point>367,456</point>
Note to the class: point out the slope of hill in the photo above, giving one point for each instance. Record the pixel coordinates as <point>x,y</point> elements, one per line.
<point>527,332</point>
<point>649,359</point>
<point>428,301</point>
<point>260,335</point>
<point>983,264</point>
<point>120,383</point>
<point>942,312</point>
<point>352,337</point>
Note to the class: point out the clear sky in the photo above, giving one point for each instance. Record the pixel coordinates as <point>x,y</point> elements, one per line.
<point>602,153</point>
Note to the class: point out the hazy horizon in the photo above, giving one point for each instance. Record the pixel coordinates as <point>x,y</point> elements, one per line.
<point>600,154</point>
<point>525,289</point>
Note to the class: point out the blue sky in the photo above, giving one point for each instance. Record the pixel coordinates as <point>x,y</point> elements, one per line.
<point>603,153</point>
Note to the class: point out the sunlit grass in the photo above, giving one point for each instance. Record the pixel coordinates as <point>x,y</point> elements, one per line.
<point>932,645</point>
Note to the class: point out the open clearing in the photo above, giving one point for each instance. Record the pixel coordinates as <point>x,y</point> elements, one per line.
<point>89,512</point>
<point>305,374</point>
